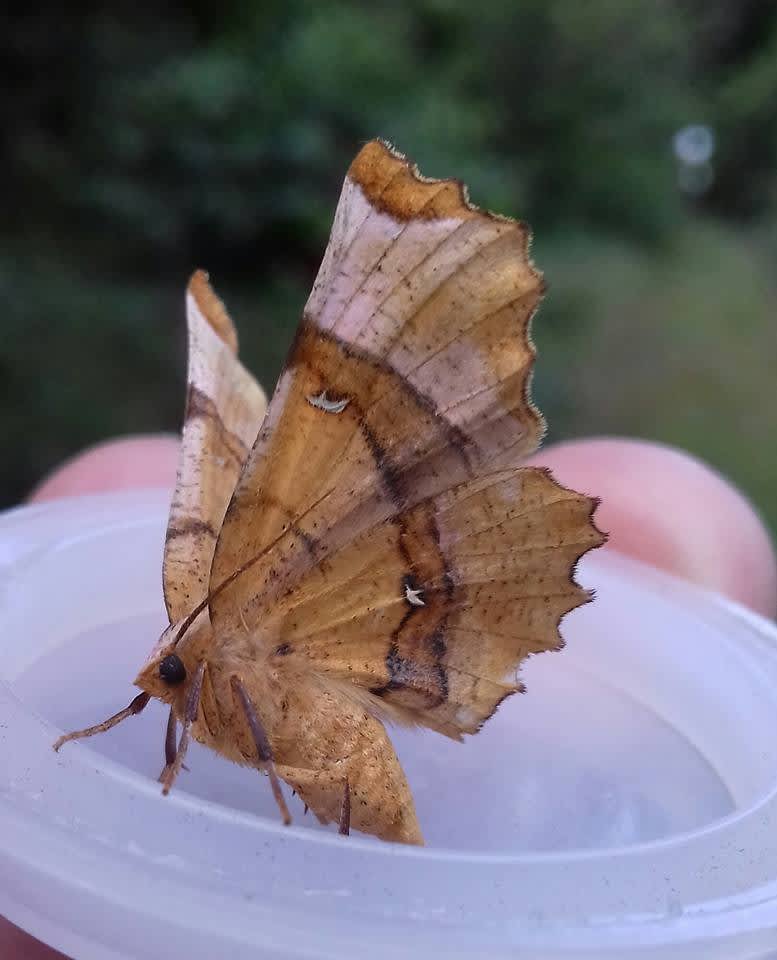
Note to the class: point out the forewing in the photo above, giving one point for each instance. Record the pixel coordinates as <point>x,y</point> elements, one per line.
<point>224,409</point>
<point>409,374</point>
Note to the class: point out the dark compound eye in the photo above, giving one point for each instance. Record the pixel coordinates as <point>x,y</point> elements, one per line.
<point>172,670</point>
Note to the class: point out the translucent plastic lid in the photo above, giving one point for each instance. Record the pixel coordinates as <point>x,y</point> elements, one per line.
<point>625,806</point>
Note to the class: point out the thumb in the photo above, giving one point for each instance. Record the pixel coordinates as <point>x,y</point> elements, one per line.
<point>669,509</point>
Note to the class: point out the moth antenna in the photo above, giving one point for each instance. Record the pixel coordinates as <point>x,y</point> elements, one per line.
<point>191,617</point>
<point>189,620</point>
<point>263,748</point>
<point>133,708</point>
<point>345,811</point>
<point>192,706</point>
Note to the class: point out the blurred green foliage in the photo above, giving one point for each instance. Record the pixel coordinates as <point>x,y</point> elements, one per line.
<point>139,144</point>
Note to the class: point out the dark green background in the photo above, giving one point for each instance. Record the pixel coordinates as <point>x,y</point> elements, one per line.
<point>138,146</point>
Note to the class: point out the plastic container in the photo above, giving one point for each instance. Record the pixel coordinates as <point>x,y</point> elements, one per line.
<point>625,806</point>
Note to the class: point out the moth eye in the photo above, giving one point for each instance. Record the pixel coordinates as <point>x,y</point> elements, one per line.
<point>172,670</point>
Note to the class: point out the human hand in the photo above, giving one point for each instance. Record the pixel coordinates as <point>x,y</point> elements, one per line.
<point>658,504</point>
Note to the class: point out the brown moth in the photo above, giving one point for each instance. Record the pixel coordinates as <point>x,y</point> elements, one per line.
<point>377,552</point>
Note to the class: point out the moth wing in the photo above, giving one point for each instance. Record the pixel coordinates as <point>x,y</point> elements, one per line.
<point>327,738</point>
<point>404,405</point>
<point>409,373</point>
<point>432,612</point>
<point>224,409</point>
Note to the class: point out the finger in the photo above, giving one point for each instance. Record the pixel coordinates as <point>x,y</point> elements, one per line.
<point>16,945</point>
<point>669,509</point>
<point>124,463</point>
<point>137,461</point>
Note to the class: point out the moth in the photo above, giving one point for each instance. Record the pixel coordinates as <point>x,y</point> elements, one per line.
<point>371,549</point>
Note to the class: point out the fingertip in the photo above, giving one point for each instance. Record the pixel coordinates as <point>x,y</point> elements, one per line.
<point>670,509</point>
<point>17,945</point>
<point>119,464</point>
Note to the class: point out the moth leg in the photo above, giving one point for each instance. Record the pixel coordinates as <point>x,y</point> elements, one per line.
<point>171,745</point>
<point>171,771</point>
<point>133,708</point>
<point>263,748</point>
<point>345,811</point>
<point>294,794</point>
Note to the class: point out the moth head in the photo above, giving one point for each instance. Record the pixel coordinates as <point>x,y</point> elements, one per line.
<point>165,672</point>
<point>173,662</point>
